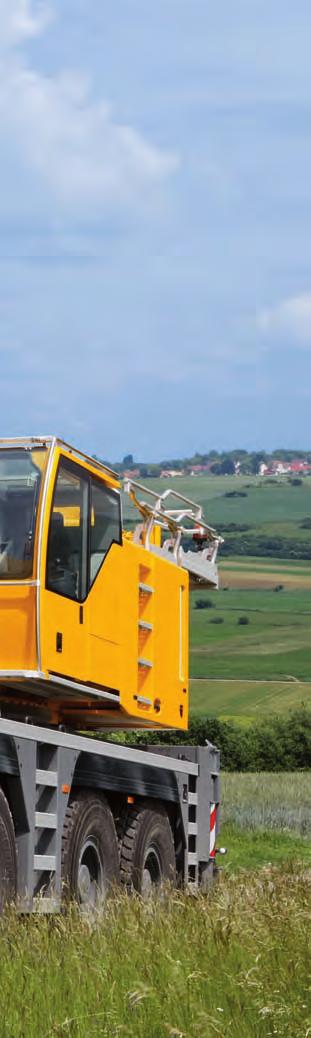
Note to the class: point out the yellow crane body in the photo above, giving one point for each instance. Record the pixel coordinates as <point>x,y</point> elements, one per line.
<point>93,619</point>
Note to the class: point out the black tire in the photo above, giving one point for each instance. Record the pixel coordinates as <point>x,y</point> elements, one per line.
<point>90,857</point>
<point>8,865</point>
<point>147,854</point>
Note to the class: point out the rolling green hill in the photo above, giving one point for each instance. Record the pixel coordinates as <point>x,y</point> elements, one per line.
<point>264,664</point>
<point>266,508</point>
<point>261,665</point>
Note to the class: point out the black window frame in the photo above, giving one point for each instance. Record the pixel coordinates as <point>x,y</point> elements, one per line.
<point>103,486</point>
<point>88,478</point>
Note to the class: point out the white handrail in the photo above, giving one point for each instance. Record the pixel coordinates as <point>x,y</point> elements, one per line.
<point>169,518</point>
<point>201,564</point>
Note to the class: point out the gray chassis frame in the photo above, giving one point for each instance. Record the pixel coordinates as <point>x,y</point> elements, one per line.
<point>40,768</point>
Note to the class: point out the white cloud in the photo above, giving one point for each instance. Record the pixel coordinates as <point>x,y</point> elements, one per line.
<point>20,20</point>
<point>290,320</point>
<point>53,127</point>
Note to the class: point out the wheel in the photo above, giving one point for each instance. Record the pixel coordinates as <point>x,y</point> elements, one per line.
<point>8,866</point>
<point>90,858</point>
<point>147,854</point>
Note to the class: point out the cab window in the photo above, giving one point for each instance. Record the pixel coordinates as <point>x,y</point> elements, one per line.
<point>20,481</point>
<point>67,545</point>
<point>105,524</point>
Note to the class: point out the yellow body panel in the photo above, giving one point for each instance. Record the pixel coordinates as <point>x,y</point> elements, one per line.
<point>18,627</point>
<point>120,649</point>
<point>128,637</point>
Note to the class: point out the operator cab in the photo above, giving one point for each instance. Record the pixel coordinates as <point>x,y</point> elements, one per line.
<point>60,516</point>
<point>94,622</point>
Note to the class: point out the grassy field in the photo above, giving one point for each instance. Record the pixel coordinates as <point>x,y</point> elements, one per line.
<point>188,967</point>
<point>266,819</point>
<point>259,665</point>
<point>246,700</point>
<point>243,670</point>
<point>249,573</point>
<point>268,801</point>
<point>266,507</point>
<point>234,963</point>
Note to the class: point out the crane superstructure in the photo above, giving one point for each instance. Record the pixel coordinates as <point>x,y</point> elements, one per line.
<point>93,637</point>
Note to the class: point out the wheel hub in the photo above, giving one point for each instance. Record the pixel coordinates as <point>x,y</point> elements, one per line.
<point>90,874</point>
<point>152,872</point>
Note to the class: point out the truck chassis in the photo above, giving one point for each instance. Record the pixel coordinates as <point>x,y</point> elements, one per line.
<point>48,776</point>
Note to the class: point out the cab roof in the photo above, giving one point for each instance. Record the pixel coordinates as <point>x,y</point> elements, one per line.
<point>31,442</point>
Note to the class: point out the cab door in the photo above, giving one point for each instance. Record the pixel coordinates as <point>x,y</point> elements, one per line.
<point>105,602</point>
<point>63,629</point>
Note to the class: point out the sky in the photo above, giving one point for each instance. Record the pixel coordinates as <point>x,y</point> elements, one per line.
<point>155,224</point>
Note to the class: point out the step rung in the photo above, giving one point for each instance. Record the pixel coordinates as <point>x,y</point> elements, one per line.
<point>193,798</point>
<point>46,778</point>
<point>45,820</point>
<point>146,589</point>
<point>192,828</point>
<point>44,862</point>
<point>145,626</point>
<point>192,858</point>
<point>142,701</point>
<point>144,663</point>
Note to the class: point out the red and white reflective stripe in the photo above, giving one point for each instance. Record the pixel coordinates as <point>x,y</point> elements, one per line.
<point>212,830</point>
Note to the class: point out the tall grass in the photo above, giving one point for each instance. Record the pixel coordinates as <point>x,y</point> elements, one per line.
<point>267,800</point>
<point>186,967</point>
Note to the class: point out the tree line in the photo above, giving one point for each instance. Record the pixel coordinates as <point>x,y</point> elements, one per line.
<point>271,744</point>
<point>218,462</point>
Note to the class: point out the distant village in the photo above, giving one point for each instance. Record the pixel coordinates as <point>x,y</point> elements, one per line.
<point>259,463</point>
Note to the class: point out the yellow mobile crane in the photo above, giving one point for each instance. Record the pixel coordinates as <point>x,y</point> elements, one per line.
<point>93,636</point>
<point>94,621</point>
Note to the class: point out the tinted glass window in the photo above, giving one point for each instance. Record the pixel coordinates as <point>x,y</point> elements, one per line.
<point>67,547</point>
<point>105,524</point>
<point>20,479</point>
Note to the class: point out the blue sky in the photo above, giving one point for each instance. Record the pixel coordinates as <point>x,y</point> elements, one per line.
<point>155,215</point>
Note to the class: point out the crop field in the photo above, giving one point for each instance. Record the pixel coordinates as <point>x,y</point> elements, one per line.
<point>274,643</point>
<point>249,573</point>
<point>250,651</point>
<point>243,701</point>
<point>268,801</point>
<point>264,507</point>
<point>234,962</point>
<point>265,819</point>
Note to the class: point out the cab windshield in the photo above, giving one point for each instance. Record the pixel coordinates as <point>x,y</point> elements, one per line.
<point>21,473</point>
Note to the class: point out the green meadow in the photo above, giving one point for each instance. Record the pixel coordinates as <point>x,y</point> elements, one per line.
<point>266,507</point>
<point>244,701</point>
<point>251,649</point>
<point>235,962</point>
<point>259,665</point>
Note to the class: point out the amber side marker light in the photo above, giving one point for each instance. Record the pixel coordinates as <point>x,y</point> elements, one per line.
<point>130,800</point>
<point>65,788</point>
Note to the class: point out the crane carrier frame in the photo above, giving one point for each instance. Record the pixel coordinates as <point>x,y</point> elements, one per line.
<point>93,637</point>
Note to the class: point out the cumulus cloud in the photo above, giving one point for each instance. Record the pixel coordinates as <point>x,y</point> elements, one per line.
<point>289,320</point>
<point>55,128</point>
<point>20,20</point>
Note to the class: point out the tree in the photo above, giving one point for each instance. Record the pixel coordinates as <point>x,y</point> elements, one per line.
<point>227,467</point>
<point>256,461</point>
